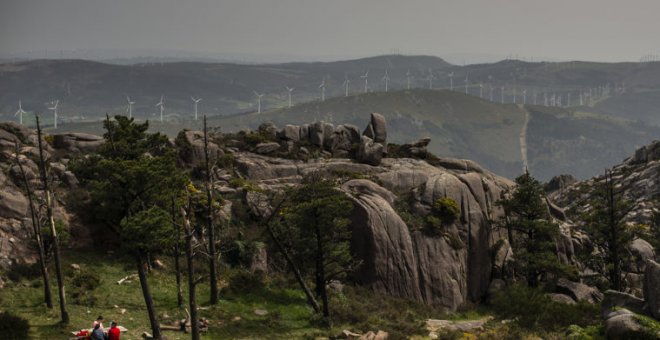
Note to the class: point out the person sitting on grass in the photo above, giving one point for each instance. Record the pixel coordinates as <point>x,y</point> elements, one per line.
<point>97,333</point>
<point>113,332</point>
<point>98,321</point>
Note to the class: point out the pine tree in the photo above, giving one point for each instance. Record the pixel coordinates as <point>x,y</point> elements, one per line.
<point>532,234</point>
<point>608,230</point>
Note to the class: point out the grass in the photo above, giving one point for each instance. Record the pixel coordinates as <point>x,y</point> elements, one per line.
<point>233,318</point>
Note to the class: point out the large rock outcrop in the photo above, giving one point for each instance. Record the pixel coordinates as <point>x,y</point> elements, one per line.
<point>445,270</point>
<point>652,288</point>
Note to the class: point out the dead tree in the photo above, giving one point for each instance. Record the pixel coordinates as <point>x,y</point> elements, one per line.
<point>209,223</point>
<point>36,229</point>
<point>53,231</point>
<point>192,283</point>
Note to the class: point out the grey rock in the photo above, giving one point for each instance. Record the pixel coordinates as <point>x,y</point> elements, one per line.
<point>579,291</point>
<point>12,203</point>
<point>652,288</point>
<point>642,252</point>
<point>562,298</point>
<point>266,148</point>
<point>304,132</point>
<point>269,130</point>
<point>645,154</point>
<point>78,142</point>
<point>290,132</point>
<point>377,129</point>
<point>369,152</point>
<point>622,324</point>
<point>316,133</point>
<point>613,298</point>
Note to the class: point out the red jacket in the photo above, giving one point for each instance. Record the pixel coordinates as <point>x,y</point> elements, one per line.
<point>113,333</point>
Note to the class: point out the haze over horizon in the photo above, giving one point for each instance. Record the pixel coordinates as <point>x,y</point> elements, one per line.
<point>287,30</point>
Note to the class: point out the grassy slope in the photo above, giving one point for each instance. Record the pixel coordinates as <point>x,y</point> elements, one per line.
<point>25,299</point>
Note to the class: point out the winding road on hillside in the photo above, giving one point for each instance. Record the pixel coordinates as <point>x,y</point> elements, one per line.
<point>523,139</point>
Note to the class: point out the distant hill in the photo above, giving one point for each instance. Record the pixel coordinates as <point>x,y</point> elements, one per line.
<point>558,140</point>
<point>88,90</point>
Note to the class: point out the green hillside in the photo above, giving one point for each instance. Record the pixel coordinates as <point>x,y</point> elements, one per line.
<point>559,141</point>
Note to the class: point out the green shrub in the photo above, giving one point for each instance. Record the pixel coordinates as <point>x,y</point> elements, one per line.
<point>13,327</point>
<point>245,282</point>
<point>19,271</point>
<point>446,209</point>
<point>83,284</point>
<point>532,308</point>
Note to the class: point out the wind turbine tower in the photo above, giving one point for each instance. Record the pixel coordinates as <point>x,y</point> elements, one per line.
<point>502,93</point>
<point>346,84</point>
<point>365,76</point>
<point>322,87</point>
<point>20,112</point>
<point>161,104</point>
<point>386,79</point>
<point>129,109</point>
<point>408,78</point>
<point>53,107</point>
<point>289,89</point>
<point>481,90</point>
<point>524,94</point>
<point>195,101</point>
<point>451,81</point>
<point>466,84</point>
<point>258,100</point>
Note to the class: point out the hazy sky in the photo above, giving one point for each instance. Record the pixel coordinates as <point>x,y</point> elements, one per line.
<point>606,30</point>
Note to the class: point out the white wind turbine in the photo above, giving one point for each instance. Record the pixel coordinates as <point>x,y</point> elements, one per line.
<point>451,81</point>
<point>20,112</point>
<point>289,89</point>
<point>365,76</point>
<point>53,107</point>
<point>258,100</point>
<point>481,90</point>
<point>346,84</point>
<point>386,79</point>
<point>430,79</point>
<point>408,78</point>
<point>467,81</point>
<point>195,101</point>
<point>129,108</point>
<point>161,104</point>
<point>502,93</point>
<point>322,87</point>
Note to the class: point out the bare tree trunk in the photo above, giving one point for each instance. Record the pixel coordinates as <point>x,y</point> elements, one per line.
<point>296,272</point>
<point>320,273</point>
<point>51,221</point>
<point>192,294</point>
<point>209,216</point>
<point>36,228</point>
<point>148,301</point>
<point>177,255</point>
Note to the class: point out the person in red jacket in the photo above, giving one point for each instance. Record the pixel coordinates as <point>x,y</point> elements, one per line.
<point>113,332</point>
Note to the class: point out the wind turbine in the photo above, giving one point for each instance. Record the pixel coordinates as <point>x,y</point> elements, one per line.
<point>54,108</point>
<point>408,78</point>
<point>346,84</point>
<point>451,81</point>
<point>289,89</point>
<point>161,104</point>
<point>322,87</point>
<point>491,92</point>
<point>129,109</point>
<point>365,76</point>
<point>524,94</point>
<point>502,93</point>
<point>430,79</point>
<point>258,100</point>
<point>466,83</point>
<point>20,112</point>
<point>386,79</point>
<point>481,90</point>
<point>196,101</point>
